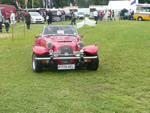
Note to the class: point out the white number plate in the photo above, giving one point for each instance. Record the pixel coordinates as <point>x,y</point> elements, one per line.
<point>65,67</point>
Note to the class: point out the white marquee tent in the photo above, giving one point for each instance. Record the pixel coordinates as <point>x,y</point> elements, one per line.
<point>121,4</point>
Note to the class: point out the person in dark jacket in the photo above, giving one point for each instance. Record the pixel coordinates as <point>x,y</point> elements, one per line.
<point>49,17</point>
<point>7,25</point>
<point>27,19</point>
<point>73,20</point>
<point>1,22</point>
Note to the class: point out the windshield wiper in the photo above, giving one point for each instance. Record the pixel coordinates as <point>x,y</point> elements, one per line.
<point>49,35</point>
<point>71,35</point>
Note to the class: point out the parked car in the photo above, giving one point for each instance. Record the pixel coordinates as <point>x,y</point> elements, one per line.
<point>55,17</point>
<point>68,16</point>
<point>91,15</point>
<point>81,15</point>
<point>36,18</point>
<point>61,48</point>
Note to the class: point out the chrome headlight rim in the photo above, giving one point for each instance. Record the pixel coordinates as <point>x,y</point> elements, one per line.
<point>56,54</point>
<point>77,53</point>
<point>80,44</point>
<point>49,45</point>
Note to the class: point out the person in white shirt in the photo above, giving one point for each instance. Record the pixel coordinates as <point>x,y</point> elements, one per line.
<point>108,15</point>
<point>95,15</point>
<point>12,18</point>
<point>59,14</point>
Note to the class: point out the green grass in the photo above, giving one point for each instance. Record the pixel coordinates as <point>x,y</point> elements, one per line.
<point>120,85</point>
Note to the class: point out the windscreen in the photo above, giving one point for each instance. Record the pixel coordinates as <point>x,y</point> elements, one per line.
<point>143,9</point>
<point>59,30</point>
<point>80,13</point>
<point>34,14</point>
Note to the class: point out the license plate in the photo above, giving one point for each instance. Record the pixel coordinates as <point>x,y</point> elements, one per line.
<point>65,67</point>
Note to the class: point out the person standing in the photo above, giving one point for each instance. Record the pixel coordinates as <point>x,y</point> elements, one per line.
<point>113,15</point>
<point>27,19</point>
<point>12,18</point>
<point>49,17</point>
<point>101,15</point>
<point>121,15</point>
<point>7,25</point>
<point>1,22</point>
<point>63,15</point>
<point>59,14</point>
<point>73,20</point>
<point>129,14</point>
<point>95,15</point>
<point>132,14</point>
<point>108,15</point>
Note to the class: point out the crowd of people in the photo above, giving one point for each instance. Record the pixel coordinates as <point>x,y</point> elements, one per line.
<point>110,15</point>
<point>24,16</point>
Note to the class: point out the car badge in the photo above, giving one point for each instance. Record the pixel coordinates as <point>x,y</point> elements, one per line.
<point>66,54</point>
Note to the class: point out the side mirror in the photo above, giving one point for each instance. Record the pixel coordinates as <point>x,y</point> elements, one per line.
<point>81,36</point>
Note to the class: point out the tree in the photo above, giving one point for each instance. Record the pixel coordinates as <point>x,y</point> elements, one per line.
<point>62,3</point>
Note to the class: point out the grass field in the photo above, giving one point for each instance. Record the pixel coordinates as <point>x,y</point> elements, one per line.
<point>120,85</point>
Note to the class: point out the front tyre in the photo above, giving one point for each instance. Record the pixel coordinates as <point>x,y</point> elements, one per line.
<point>36,64</point>
<point>94,64</point>
<point>140,18</point>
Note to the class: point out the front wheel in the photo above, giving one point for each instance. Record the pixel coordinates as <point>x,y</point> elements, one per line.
<point>36,64</point>
<point>140,18</point>
<point>94,64</point>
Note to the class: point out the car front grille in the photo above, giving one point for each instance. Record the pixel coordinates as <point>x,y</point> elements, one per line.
<point>38,22</point>
<point>66,51</point>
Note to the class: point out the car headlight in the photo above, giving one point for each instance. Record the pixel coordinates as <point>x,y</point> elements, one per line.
<point>77,53</point>
<point>49,45</point>
<point>56,54</point>
<point>80,44</point>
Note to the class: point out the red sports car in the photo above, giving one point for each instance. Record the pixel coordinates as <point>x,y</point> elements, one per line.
<point>60,47</point>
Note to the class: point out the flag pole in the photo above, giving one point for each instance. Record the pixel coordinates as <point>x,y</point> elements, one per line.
<point>24,30</point>
<point>32,4</point>
<point>46,4</point>
<point>13,32</point>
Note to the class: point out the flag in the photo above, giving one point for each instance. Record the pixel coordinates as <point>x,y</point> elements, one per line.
<point>134,2</point>
<point>70,4</point>
<point>18,4</point>
<point>26,3</point>
<point>32,3</point>
<point>43,3</point>
<point>50,3</point>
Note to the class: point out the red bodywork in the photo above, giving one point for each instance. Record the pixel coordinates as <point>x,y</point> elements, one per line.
<point>61,47</point>
<point>6,10</point>
<point>59,41</point>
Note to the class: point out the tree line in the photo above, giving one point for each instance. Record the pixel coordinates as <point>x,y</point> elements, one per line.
<point>61,3</point>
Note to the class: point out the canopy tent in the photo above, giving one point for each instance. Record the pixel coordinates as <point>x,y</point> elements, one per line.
<point>122,4</point>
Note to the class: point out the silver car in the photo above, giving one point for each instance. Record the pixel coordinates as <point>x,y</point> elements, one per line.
<point>36,18</point>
